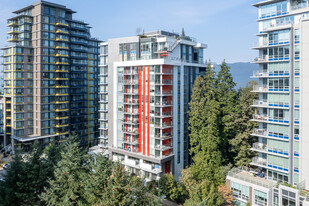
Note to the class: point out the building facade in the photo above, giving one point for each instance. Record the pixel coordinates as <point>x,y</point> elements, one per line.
<point>281,109</point>
<point>148,79</point>
<point>50,77</point>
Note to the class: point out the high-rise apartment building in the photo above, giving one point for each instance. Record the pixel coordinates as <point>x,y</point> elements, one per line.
<point>144,121</point>
<point>50,77</point>
<point>281,110</point>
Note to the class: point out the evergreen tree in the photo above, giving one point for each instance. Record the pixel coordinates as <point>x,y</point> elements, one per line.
<point>67,188</point>
<point>243,141</point>
<point>122,189</point>
<point>227,98</point>
<point>174,191</point>
<point>11,190</point>
<point>205,129</point>
<point>26,178</point>
<point>201,192</point>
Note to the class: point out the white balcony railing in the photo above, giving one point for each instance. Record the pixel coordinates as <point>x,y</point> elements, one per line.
<point>260,117</point>
<point>258,88</point>
<point>260,131</point>
<point>260,73</point>
<point>261,58</point>
<point>299,6</point>
<point>259,146</point>
<point>259,161</point>
<point>257,102</point>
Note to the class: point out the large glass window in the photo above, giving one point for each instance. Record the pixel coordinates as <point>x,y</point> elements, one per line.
<point>279,37</point>
<point>240,191</point>
<point>274,9</point>
<point>260,198</point>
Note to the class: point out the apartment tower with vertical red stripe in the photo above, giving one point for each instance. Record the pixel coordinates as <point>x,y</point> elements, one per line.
<point>145,87</point>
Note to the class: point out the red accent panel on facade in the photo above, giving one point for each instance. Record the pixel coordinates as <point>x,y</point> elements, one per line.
<point>144,109</point>
<point>139,110</point>
<point>148,116</point>
<point>167,167</point>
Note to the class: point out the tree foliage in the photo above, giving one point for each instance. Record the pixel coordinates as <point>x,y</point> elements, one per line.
<point>227,195</point>
<point>69,176</point>
<point>26,178</point>
<point>243,140</point>
<point>174,191</point>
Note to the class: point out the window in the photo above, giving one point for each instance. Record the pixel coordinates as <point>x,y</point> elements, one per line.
<point>240,191</point>
<point>274,9</point>
<point>260,198</point>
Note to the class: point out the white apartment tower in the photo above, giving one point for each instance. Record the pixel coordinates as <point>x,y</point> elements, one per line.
<point>148,81</point>
<point>283,131</point>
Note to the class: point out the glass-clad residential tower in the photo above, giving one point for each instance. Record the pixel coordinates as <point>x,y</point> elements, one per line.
<point>144,121</point>
<point>50,77</point>
<point>282,108</point>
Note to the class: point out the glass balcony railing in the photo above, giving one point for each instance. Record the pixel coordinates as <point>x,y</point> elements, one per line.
<point>260,117</point>
<point>299,6</point>
<point>259,146</point>
<point>259,161</point>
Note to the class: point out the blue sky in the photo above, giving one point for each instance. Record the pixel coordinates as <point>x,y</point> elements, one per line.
<point>227,26</point>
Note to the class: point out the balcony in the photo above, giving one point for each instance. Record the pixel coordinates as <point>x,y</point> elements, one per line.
<point>258,74</point>
<point>62,70</point>
<point>257,88</point>
<point>299,6</point>
<point>261,59</point>
<point>164,93</point>
<point>62,31</point>
<point>62,47</point>
<point>163,147</point>
<point>59,39</point>
<point>130,82</point>
<point>62,63</point>
<point>260,132</point>
<point>164,136</point>
<point>60,94</point>
<point>130,112</point>
<point>259,161</point>
<point>131,102</point>
<point>259,45</point>
<point>164,82</point>
<point>62,133</point>
<point>12,24</point>
<point>259,147</point>
<point>62,24</point>
<point>62,125</point>
<point>13,32</point>
<point>164,114</point>
<point>66,117</point>
<point>132,132</point>
<point>130,142</point>
<point>260,117</point>
<point>62,110</point>
<point>164,71</point>
<point>164,125</point>
<point>259,103</point>
<point>62,55</point>
<point>13,40</point>
<point>278,57</point>
<point>135,122</point>
<point>61,78</point>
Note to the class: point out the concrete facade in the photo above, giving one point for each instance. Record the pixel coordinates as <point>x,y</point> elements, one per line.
<point>147,118</point>
<point>50,77</point>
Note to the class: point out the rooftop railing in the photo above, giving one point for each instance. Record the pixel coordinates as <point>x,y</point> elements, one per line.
<point>237,173</point>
